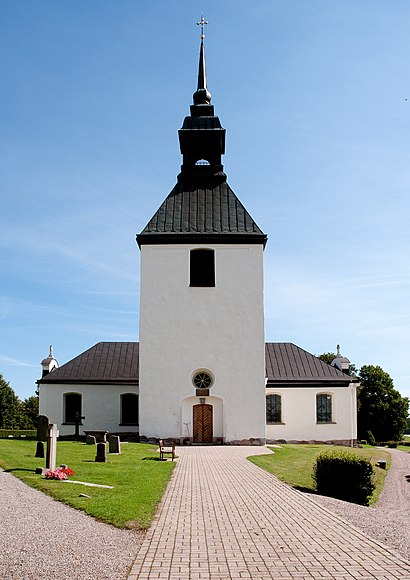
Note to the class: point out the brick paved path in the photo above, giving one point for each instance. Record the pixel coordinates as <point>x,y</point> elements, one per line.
<point>223,518</point>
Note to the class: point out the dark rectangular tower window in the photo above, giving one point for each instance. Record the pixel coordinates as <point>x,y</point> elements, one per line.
<point>202,268</point>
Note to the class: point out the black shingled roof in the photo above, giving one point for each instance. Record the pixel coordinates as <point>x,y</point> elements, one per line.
<point>118,362</point>
<point>289,364</point>
<point>105,362</point>
<point>202,213</point>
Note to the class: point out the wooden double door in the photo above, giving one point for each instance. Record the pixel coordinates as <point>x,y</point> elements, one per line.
<point>202,423</point>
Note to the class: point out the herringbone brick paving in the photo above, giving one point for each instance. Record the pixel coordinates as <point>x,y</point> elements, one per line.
<point>223,518</point>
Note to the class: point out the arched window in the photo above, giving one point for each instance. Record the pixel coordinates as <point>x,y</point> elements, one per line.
<point>273,409</point>
<point>202,267</point>
<point>129,409</point>
<point>324,408</point>
<point>72,407</point>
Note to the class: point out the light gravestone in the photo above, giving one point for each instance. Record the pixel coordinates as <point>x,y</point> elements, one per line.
<point>101,453</point>
<point>51,454</point>
<point>115,445</point>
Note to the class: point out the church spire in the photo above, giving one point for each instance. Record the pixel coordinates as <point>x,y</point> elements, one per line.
<point>201,208</point>
<point>201,137</point>
<point>202,96</point>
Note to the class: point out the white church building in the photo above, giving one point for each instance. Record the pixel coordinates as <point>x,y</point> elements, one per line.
<point>201,372</point>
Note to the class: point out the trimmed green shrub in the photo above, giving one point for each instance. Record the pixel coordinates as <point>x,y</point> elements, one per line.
<point>371,439</point>
<point>363,442</point>
<point>29,433</point>
<point>344,475</point>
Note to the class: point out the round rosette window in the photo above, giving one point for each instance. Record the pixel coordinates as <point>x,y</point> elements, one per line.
<point>202,380</point>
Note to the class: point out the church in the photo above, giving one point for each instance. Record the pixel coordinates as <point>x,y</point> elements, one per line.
<point>201,372</point>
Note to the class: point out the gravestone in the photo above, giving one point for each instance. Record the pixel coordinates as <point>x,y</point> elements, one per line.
<point>90,440</point>
<point>40,449</point>
<point>101,453</point>
<point>77,422</point>
<point>42,427</point>
<point>114,444</point>
<point>52,434</point>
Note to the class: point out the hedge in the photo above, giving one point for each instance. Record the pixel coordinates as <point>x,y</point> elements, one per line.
<point>344,475</point>
<point>29,433</point>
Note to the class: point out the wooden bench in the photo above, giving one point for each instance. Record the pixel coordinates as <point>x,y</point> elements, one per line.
<point>166,449</point>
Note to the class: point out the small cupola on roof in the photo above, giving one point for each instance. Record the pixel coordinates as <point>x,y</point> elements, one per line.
<point>341,362</point>
<point>201,208</point>
<point>49,363</point>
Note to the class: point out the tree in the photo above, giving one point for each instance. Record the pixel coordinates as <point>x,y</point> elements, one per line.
<point>381,410</point>
<point>29,415</point>
<point>327,357</point>
<point>10,406</point>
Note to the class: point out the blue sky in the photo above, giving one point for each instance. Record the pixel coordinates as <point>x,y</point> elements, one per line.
<point>315,98</point>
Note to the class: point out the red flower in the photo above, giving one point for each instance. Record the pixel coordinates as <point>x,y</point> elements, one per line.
<point>61,473</point>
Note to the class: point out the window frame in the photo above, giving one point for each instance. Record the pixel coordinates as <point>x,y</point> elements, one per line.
<point>278,398</point>
<point>123,397</point>
<point>328,412</point>
<point>202,271</point>
<point>66,421</point>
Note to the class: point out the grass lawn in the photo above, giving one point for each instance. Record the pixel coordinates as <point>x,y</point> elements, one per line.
<point>405,448</point>
<point>138,477</point>
<point>293,464</point>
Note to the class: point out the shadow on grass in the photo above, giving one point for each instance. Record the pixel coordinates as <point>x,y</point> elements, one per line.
<point>19,469</point>
<point>305,489</point>
<point>152,459</point>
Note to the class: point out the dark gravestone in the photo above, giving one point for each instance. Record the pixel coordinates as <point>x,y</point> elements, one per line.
<point>114,444</point>
<point>42,427</point>
<point>77,422</point>
<point>100,436</point>
<point>101,453</point>
<point>40,449</point>
<point>90,440</point>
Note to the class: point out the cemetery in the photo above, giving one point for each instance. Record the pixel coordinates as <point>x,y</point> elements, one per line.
<point>123,481</point>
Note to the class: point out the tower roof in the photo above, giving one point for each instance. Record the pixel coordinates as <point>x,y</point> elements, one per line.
<point>201,211</point>
<point>202,96</point>
<point>201,208</point>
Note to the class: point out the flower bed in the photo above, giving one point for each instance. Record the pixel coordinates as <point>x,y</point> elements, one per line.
<point>60,473</point>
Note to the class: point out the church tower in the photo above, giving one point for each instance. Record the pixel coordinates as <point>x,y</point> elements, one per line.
<point>202,349</point>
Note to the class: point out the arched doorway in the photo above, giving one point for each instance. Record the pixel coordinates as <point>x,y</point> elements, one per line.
<point>202,421</point>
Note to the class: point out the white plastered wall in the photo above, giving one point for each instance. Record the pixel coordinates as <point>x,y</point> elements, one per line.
<point>101,406</point>
<point>220,329</point>
<point>299,414</point>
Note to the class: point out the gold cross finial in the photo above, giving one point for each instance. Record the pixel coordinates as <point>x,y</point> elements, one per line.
<point>202,23</point>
